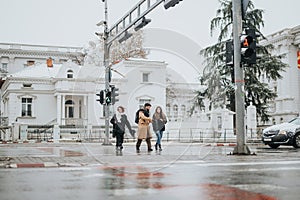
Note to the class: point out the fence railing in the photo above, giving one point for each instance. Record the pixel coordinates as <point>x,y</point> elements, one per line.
<point>97,134</point>
<point>180,135</point>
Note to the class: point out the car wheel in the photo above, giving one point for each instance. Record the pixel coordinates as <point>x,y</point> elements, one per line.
<point>296,142</point>
<point>274,146</point>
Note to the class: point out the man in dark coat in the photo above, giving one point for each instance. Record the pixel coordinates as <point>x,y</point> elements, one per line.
<point>144,128</point>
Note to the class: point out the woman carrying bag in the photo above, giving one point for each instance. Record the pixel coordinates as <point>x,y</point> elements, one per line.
<point>159,120</point>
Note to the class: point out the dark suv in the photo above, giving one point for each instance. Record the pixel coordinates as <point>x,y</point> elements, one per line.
<point>283,134</point>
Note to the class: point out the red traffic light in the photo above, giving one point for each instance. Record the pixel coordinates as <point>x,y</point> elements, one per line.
<point>246,41</point>
<point>248,45</point>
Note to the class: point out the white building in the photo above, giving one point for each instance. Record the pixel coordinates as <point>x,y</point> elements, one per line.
<point>287,105</point>
<point>65,94</point>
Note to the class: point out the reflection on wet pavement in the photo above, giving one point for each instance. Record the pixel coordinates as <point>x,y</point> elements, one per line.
<point>61,152</point>
<point>136,177</point>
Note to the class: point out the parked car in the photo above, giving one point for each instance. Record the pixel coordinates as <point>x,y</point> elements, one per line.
<point>283,134</point>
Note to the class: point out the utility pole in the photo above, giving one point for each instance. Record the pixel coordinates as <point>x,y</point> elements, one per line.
<point>241,148</point>
<point>133,18</point>
<point>107,74</point>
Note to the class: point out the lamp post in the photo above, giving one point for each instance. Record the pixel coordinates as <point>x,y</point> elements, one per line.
<point>120,30</point>
<point>107,73</point>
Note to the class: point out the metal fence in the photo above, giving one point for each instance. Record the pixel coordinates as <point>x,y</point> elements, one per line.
<point>97,134</point>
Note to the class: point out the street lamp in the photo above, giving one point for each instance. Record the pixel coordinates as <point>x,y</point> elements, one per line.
<point>120,29</point>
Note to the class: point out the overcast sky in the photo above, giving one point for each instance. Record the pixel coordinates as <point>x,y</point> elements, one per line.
<point>73,22</point>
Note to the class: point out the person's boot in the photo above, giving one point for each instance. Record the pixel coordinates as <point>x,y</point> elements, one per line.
<point>138,144</point>
<point>160,147</point>
<point>149,144</point>
<point>156,146</point>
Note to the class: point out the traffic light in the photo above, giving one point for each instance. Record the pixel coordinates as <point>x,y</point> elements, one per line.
<point>140,24</point>
<point>108,97</point>
<point>125,36</point>
<point>101,97</point>
<point>248,45</point>
<point>229,52</point>
<point>114,94</point>
<point>170,3</point>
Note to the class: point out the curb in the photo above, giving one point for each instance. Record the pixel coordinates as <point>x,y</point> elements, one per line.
<point>44,165</point>
<point>222,144</point>
<point>33,165</point>
<point>24,142</point>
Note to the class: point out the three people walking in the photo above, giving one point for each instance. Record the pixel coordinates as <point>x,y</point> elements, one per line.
<point>158,120</point>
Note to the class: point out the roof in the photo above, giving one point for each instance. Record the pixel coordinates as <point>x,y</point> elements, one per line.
<point>88,72</point>
<point>38,71</point>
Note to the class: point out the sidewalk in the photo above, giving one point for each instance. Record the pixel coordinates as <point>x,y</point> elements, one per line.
<point>31,155</point>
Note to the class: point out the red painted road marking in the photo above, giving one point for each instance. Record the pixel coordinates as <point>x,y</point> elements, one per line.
<point>216,191</point>
<point>30,165</point>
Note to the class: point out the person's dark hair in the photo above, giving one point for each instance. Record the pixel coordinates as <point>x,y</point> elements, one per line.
<point>147,104</point>
<point>122,108</point>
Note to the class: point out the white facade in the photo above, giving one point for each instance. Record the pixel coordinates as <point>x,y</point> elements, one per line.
<point>65,94</point>
<point>287,105</point>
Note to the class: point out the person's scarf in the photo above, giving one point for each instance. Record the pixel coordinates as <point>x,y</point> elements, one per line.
<point>118,117</point>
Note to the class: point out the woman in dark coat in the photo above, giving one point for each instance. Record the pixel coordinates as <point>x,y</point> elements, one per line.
<point>159,120</point>
<point>119,121</point>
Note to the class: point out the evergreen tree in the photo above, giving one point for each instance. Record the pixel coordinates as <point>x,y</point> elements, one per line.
<point>218,77</point>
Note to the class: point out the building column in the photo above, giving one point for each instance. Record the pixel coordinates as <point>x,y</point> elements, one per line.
<point>63,111</point>
<point>58,108</point>
<point>85,109</point>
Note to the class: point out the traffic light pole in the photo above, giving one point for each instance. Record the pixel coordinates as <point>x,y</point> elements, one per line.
<point>141,9</point>
<point>107,74</point>
<point>241,148</point>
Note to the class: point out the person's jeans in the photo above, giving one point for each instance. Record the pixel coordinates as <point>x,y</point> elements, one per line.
<point>159,135</point>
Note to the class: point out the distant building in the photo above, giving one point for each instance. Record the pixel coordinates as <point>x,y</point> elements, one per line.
<point>287,105</point>
<point>15,57</point>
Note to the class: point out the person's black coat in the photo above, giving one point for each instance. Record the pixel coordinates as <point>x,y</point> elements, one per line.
<point>119,126</point>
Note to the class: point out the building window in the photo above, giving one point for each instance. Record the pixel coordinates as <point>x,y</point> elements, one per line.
<point>26,107</point>
<point>175,111</point>
<point>168,110</point>
<point>70,73</point>
<point>69,108</point>
<point>4,67</point>
<point>80,107</point>
<point>30,62</point>
<point>27,85</point>
<point>183,110</point>
<point>219,121</point>
<point>143,101</point>
<point>145,77</point>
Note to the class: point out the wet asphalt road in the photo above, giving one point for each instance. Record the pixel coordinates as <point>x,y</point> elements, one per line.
<point>179,172</point>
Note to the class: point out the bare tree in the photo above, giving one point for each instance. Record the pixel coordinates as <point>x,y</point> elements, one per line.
<point>131,48</point>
